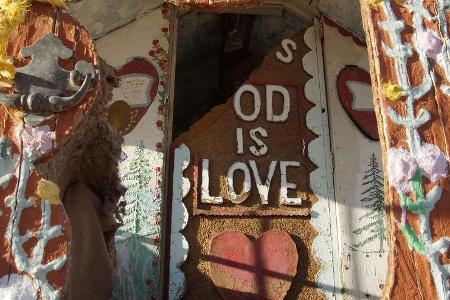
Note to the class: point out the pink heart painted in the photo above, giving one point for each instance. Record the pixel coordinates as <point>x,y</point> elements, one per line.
<point>263,269</point>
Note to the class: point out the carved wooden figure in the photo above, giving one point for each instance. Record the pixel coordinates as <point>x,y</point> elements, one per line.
<point>408,49</point>
<point>51,135</point>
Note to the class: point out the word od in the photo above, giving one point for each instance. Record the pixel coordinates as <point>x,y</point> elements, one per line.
<point>257,150</point>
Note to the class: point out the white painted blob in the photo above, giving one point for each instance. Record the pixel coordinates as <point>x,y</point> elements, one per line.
<point>18,287</point>
<point>247,184</point>
<point>255,135</point>
<point>285,185</point>
<point>247,88</point>
<point>239,141</point>
<point>179,246</point>
<point>270,91</point>
<point>206,197</point>
<point>287,57</point>
<point>263,189</point>
<point>134,89</point>
<point>362,96</point>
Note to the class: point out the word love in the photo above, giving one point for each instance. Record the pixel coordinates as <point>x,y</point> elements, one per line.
<point>263,188</point>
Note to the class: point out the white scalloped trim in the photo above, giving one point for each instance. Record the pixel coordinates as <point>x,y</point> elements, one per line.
<point>323,216</point>
<point>179,246</point>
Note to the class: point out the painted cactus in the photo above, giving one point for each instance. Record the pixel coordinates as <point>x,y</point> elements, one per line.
<point>409,169</point>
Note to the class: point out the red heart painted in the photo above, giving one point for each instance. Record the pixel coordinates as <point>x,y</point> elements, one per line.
<point>243,269</point>
<point>365,120</point>
<point>123,116</point>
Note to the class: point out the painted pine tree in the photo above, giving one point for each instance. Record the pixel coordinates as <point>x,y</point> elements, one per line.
<point>138,198</point>
<point>136,272</point>
<point>373,200</point>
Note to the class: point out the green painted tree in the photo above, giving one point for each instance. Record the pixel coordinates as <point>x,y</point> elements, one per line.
<point>139,196</point>
<point>137,253</point>
<point>373,200</point>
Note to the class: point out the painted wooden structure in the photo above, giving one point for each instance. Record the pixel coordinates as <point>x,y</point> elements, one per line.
<point>357,165</point>
<point>344,249</point>
<point>40,249</point>
<point>35,223</point>
<point>408,49</point>
<point>359,211</point>
<point>340,249</point>
<point>217,198</point>
<point>139,52</point>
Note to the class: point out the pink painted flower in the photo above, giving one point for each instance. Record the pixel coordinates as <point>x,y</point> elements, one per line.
<point>432,162</point>
<point>39,138</point>
<point>401,169</point>
<point>430,43</point>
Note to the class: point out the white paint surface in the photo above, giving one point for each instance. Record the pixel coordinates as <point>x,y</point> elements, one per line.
<point>270,91</point>
<point>134,89</point>
<point>239,141</point>
<point>285,185</point>
<point>323,213</point>
<point>247,184</point>
<point>362,95</point>
<point>17,287</point>
<point>206,197</point>
<point>263,189</point>
<point>288,46</point>
<point>179,246</point>
<point>247,88</point>
<point>133,40</point>
<point>362,272</point>
<point>103,16</point>
<point>256,134</point>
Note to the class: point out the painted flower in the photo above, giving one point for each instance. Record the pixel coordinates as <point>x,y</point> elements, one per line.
<point>432,162</point>
<point>392,91</point>
<point>401,169</point>
<point>48,191</point>
<point>375,2</point>
<point>39,138</point>
<point>430,43</point>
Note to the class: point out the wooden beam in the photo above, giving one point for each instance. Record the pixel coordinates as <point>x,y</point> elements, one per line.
<point>410,71</point>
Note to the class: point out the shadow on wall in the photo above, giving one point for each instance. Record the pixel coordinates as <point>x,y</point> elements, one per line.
<point>216,53</point>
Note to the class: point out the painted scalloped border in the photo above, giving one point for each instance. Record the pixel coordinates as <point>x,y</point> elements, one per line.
<point>321,181</point>
<point>179,246</point>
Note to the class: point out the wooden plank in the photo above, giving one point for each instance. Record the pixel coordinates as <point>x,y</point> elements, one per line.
<point>361,250</point>
<point>325,247</point>
<point>139,51</point>
<point>167,205</point>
